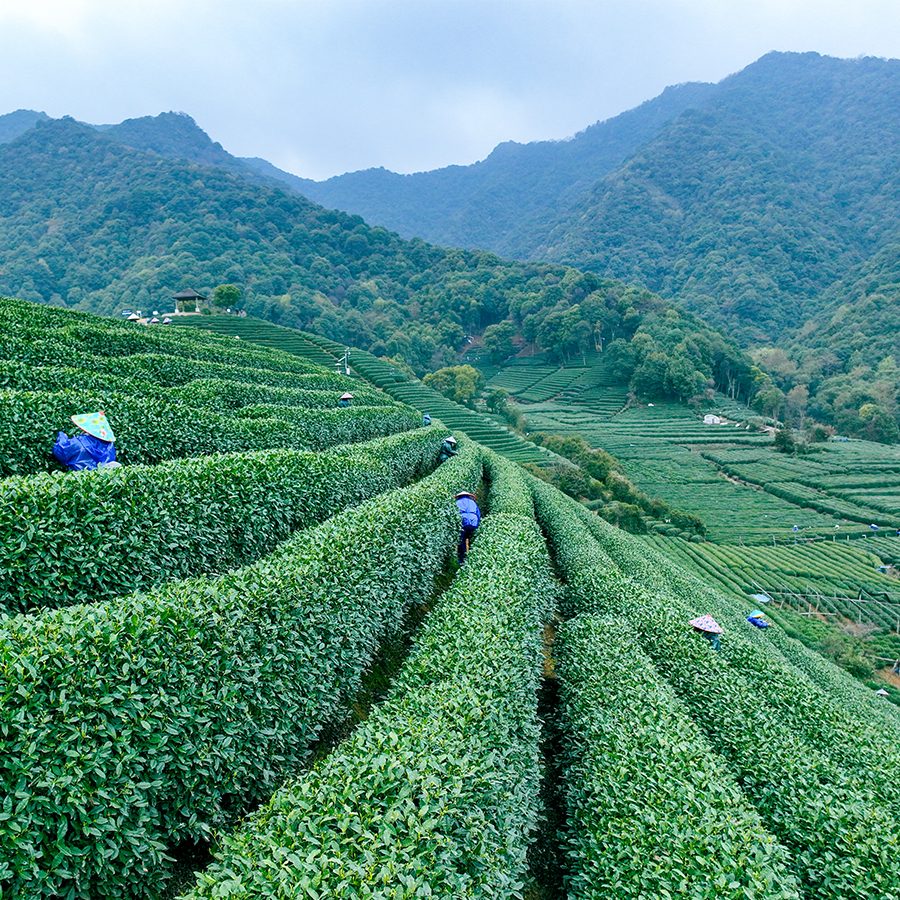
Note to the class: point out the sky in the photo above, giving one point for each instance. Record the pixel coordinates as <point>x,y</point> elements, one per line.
<point>321,87</point>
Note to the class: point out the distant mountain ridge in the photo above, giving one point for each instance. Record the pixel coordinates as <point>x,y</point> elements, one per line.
<point>768,205</point>
<point>743,200</point>
<point>497,203</point>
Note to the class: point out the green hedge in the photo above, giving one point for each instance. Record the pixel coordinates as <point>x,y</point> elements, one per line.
<point>222,394</point>
<point>91,536</point>
<point>436,794</point>
<point>856,739</point>
<point>43,335</point>
<point>843,840</point>
<point>171,370</point>
<point>148,431</point>
<point>509,490</point>
<point>130,726</point>
<point>651,811</point>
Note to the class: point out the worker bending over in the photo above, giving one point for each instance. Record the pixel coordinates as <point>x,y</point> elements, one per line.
<point>448,449</point>
<point>470,515</point>
<point>90,449</point>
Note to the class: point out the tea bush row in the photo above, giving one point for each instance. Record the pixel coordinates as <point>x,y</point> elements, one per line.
<point>149,431</point>
<point>44,335</point>
<point>836,825</point>
<point>308,391</point>
<point>436,794</point>
<point>131,726</point>
<point>89,536</point>
<point>856,742</point>
<point>651,811</point>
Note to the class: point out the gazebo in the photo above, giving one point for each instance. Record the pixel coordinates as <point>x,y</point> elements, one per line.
<point>188,301</point>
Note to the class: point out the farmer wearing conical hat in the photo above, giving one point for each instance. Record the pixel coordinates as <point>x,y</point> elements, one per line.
<point>346,399</point>
<point>710,629</point>
<point>92,448</point>
<point>470,516</point>
<point>448,449</point>
<point>758,619</point>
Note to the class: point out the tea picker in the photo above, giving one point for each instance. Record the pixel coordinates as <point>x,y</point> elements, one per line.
<point>470,515</point>
<point>710,629</point>
<point>92,448</point>
<point>346,399</point>
<point>758,619</point>
<point>448,449</point>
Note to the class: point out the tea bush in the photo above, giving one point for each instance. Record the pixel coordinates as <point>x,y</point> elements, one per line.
<point>436,794</point>
<point>130,726</point>
<point>89,536</point>
<point>151,430</point>
<point>651,810</point>
<point>307,391</point>
<point>841,837</point>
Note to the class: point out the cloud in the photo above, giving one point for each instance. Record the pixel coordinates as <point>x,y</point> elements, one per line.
<point>323,86</point>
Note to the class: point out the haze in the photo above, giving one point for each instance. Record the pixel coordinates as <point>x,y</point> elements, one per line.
<point>321,87</point>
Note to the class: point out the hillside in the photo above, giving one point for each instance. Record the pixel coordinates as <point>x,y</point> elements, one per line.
<point>92,224</point>
<point>281,628</point>
<point>745,200</point>
<point>768,205</point>
<point>501,202</point>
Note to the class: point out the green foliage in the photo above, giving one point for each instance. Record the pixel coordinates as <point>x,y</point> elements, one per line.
<point>94,535</point>
<point>439,787</point>
<point>689,830</point>
<point>784,441</point>
<point>190,703</point>
<point>226,296</point>
<point>797,752</point>
<point>150,431</point>
<point>459,383</point>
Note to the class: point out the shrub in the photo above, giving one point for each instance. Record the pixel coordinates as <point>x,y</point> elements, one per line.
<point>130,726</point>
<point>436,794</point>
<point>151,430</point>
<point>92,535</point>
<point>758,713</point>
<point>688,829</point>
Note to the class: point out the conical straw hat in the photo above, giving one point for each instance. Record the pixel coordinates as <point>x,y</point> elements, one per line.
<point>707,624</point>
<point>95,424</point>
<point>347,396</point>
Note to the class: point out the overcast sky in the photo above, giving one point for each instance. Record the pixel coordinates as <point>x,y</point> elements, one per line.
<point>321,87</point>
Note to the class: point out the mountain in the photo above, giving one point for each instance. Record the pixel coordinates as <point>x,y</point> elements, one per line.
<point>16,123</point>
<point>175,136</point>
<point>88,222</point>
<point>745,200</point>
<point>500,203</point>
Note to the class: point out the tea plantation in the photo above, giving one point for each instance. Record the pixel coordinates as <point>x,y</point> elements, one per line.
<point>246,665</point>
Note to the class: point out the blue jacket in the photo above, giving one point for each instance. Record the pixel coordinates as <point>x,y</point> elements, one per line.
<point>759,623</point>
<point>469,512</point>
<point>83,451</point>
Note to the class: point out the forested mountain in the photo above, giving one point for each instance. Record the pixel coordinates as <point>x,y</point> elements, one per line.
<point>501,203</point>
<point>768,204</point>
<point>15,123</point>
<point>744,200</point>
<point>86,221</point>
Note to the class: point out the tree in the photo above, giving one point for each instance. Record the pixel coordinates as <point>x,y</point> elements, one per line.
<point>498,341</point>
<point>796,401</point>
<point>784,441</point>
<point>768,400</point>
<point>226,296</point>
<point>459,383</point>
<point>878,425</point>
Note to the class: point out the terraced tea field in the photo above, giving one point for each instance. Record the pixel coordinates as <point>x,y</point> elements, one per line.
<point>245,665</point>
<point>394,383</point>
